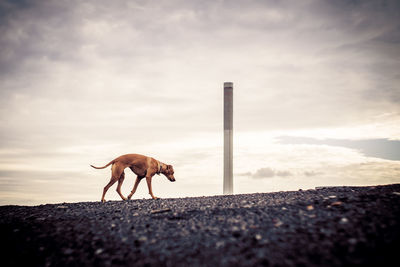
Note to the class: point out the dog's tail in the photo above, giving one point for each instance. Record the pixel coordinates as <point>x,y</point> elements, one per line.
<point>111,162</point>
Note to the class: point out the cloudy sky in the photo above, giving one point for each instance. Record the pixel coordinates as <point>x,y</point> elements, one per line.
<point>316,94</point>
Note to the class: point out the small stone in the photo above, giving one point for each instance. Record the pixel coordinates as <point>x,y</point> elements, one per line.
<point>98,251</point>
<point>310,207</point>
<point>235,229</point>
<point>219,244</point>
<point>142,238</point>
<point>352,241</point>
<point>277,223</point>
<point>396,193</point>
<point>284,208</point>
<point>332,196</point>
<point>113,225</point>
<point>68,251</point>
<point>62,207</point>
<point>344,220</point>
<point>258,237</point>
<point>337,203</point>
<point>161,211</point>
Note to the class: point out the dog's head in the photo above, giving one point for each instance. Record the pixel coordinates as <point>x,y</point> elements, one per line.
<point>169,173</point>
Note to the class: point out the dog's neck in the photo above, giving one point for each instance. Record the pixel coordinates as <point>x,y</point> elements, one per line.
<point>159,169</point>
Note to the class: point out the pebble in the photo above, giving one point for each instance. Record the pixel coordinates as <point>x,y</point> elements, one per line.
<point>68,251</point>
<point>235,229</point>
<point>343,220</point>
<point>219,244</point>
<point>352,241</point>
<point>278,223</point>
<point>98,251</point>
<point>142,238</point>
<point>160,211</point>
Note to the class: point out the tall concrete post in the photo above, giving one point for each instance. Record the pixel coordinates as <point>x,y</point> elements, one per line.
<point>228,138</point>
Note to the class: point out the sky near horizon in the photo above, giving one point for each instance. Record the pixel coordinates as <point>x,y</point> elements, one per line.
<point>316,95</point>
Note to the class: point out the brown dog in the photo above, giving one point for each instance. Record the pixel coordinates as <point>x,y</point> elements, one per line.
<point>142,166</point>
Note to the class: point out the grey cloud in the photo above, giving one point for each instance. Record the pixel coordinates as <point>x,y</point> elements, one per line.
<point>264,173</point>
<point>35,32</point>
<point>312,173</point>
<point>40,35</point>
<point>45,175</point>
<point>23,181</point>
<point>380,148</point>
<point>283,173</point>
<point>36,187</point>
<point>267,173</point>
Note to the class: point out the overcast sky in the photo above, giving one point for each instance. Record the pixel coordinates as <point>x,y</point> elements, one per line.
<point>82,82</point>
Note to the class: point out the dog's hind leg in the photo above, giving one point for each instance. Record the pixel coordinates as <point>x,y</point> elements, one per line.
<point>134,187</point>
<point>112,181</point>
<point>120,181</point>
<point>116,172</point>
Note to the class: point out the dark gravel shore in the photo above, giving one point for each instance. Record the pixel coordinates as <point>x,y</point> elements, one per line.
<point>333,226</point>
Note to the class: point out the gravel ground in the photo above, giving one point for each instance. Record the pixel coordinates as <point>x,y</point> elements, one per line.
<point>333,226</point>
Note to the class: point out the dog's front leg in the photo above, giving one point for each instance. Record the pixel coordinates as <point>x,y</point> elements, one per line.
<point>134,187</point>
<point>148,180</point>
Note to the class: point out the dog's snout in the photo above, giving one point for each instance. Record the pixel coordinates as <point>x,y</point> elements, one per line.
<point>172,180</point>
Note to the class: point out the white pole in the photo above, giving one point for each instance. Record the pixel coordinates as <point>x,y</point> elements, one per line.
<point>228,138</point>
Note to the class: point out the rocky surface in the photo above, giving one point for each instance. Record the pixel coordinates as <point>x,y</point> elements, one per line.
<point>333,226</point>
